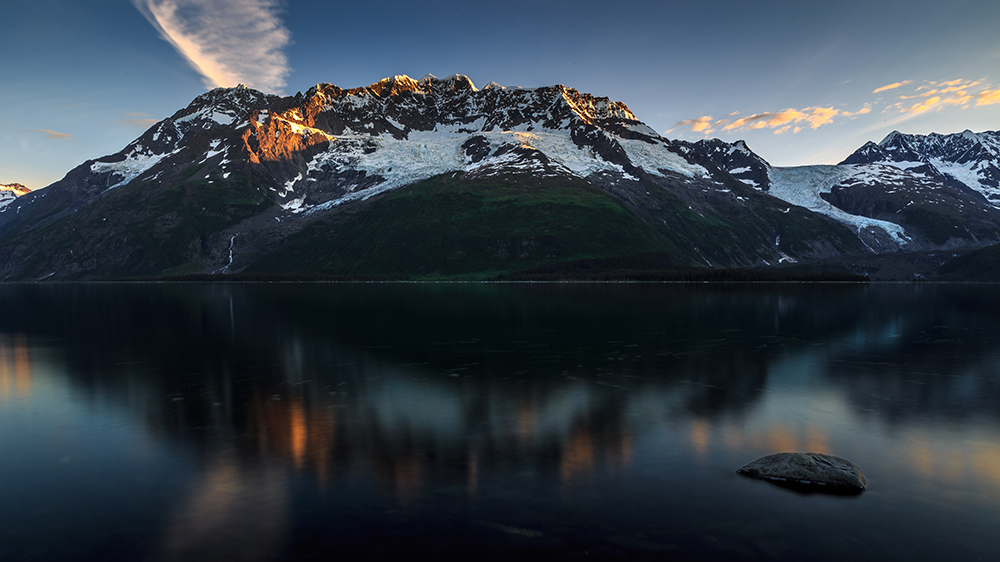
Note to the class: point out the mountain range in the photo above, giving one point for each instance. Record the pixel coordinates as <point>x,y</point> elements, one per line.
<point>435,178</point>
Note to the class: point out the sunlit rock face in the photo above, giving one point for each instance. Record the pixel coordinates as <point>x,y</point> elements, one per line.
<point>10,192</point>
<point>815,471</point>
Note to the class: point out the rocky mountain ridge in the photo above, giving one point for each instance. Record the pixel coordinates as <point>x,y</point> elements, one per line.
<point>437,178</point>
<point>966,158</point>
<point>901,205</point>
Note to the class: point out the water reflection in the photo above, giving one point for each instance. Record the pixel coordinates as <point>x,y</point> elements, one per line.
<point>425,399</point>
<point>233,513</point>
<point>15,367</point>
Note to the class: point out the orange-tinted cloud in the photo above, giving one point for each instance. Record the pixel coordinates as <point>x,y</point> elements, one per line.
<point>923,106</point>
<point>52,135</point>
<point>927,96</point>
<point>138,123</point>
<point>699,124</point>
<point>815,117</point>
<point>937,95</point>
<point>988,97</point>
<point>137,120</point>
<point>891,86</point>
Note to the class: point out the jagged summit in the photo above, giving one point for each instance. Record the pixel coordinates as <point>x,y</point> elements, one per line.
<point>11,191</point>
<point>332,145</point>
<point>15,187</point>
<point>736,158</point>
<point>971,159</point>
<point>890,138</point>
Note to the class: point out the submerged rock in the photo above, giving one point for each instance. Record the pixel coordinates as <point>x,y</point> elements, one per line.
<point>814,471</point>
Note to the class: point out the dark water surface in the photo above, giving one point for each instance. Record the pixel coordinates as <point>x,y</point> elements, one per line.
<point>480,422</point>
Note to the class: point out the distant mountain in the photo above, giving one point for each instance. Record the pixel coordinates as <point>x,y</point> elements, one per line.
<point>736,158</point>
<point>966,158</point>
<point>414,178</point>
<point>901,206</point>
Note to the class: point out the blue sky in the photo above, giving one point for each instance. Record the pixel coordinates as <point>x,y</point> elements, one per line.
<point>801,82</point>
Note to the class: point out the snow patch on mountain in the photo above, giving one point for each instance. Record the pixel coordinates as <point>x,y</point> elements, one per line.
<point>134,164</point>
<point>969,174</point>
<point>424,154</point>
<point>656,156</point>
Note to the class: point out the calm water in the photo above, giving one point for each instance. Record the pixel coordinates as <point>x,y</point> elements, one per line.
<point>478,422</point>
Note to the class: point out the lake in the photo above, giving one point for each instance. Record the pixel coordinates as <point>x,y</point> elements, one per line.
<point>494,421</point>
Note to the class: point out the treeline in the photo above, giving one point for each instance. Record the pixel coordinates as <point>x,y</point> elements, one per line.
<point>270,278</point>
<point>639,267</point>
<point>657,267</point>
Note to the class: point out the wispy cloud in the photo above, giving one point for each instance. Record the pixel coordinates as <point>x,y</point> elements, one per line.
<point>137,120</point>
<point>780,121</point>
<point>53,135</point>
<point>988,97</point>
<point>891,86</point>
<point>783,120</point>
<point>698,124</point>
<point>228,41</point>
<point>913,98</point>
<point>923,106</point>
<point>936,95</point>
<point>137,123</point>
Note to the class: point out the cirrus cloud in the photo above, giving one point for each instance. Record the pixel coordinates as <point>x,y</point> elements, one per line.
<point>892,86</point>
<point>698,124</point>
<point>227,41</point>
<point>988,97</point>
<point>53,135</point>
<point>780,121</point>
<point>908,102</point>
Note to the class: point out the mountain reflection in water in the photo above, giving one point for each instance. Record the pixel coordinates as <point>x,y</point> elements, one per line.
<point>270,421</point>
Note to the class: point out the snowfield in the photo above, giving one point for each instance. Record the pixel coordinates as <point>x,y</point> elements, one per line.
<point>802,185</point>
<point>424,154</point>
<point>133,166</point>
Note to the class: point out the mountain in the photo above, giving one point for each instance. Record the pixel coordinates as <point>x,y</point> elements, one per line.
<point>736,158</point>
<point>414,178</point>
<point>962,159</point>
<point>10,192</point>
<point>903,206</point>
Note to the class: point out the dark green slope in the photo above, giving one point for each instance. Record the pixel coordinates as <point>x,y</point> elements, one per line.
<point>450,226</point>
<point>982,265</point>
<point>137,230</point>
<point>733,225</point>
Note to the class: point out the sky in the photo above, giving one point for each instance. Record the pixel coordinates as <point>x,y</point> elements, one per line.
<point>802,82</point>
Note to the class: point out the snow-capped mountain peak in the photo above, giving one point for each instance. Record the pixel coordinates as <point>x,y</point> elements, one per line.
<point>972,159</point>
<point>332,145</point>
<point>890,138</point>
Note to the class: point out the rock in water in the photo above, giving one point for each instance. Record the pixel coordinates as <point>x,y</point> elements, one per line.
<point>814,471</point>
